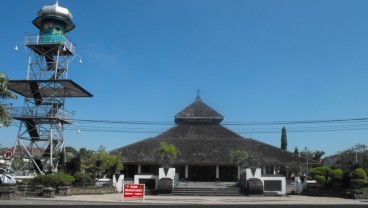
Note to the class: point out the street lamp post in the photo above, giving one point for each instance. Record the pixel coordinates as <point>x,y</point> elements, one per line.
<point>306,156</point>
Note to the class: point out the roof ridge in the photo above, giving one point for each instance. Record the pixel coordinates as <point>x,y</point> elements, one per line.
<point>198,111</point>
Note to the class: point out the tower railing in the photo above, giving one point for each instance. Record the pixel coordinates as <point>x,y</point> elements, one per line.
<point>50,39</point>
<point>42,113</point>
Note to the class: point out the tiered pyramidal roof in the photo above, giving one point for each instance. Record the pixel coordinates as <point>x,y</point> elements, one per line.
<point>198,112</point>
<point>202,140</point>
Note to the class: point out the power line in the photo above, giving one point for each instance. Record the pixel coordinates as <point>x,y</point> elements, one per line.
<point>248,127</point>
<point>352,120</point>
<point>308,126</point>
<point>124,122</point>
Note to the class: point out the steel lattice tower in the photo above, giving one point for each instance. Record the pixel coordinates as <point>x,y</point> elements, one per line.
<point>40,139</point>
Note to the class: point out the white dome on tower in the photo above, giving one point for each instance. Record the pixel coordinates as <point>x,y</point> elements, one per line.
<point>55,10</point>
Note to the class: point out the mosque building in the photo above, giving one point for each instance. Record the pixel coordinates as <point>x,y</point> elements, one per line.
<point>204,149</point>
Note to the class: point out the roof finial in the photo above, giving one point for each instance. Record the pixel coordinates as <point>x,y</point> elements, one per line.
<point>198,95</point>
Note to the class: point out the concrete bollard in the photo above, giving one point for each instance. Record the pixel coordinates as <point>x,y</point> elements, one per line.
<point>38,190</point>
<point>64,190</point>
<point>48,192</point>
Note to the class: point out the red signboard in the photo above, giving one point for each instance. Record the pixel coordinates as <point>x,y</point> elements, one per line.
<point>134,191</point>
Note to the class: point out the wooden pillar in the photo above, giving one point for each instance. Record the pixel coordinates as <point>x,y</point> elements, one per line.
<point>139,168</point>
<point>186,171</point>
<point>238,172</point>
<point>217,172</point>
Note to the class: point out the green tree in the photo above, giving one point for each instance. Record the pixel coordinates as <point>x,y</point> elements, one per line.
<point>82,179</point>
<point>361,156</point>
<point>283,139</point>
<point>294,168</point>
<point>336,175</point>
<point>53,180</point>
<point>320,174</point>
<point>87,161</point>
<point>306,153</point>
<point>239,157</point>
<point>166,153</point>
<point>326,175</point>
<point>73,165</point>
<point>101,149</point>
<point>4,94</point>
<point>107,165</point>
<point>65,160</point>
<point>358,178</point>
<point>352,158</point>
<point>96,163</point>
<point>320,179</point>
<point>317,155</point>
<point>358,173</point>
<point>70,152</point>
<point>322,171</point>
<point>296,151</point>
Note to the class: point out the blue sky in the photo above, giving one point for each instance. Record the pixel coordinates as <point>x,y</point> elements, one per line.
<point>254,62</point>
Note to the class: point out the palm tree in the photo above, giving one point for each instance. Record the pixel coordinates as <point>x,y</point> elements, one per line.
<point>166,153</point>
<point>4,94</point>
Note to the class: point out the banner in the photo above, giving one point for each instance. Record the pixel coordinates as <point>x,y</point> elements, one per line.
<point>134,191</point>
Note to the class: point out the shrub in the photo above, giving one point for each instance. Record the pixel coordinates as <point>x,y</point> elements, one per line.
<point>52,180</point>
<point>25,181</point>
<point>320,179</point>
<point>358,183</point>
<point>358,173</point>
<point>336,175</point>
<point>320,171</point>
<point>82,178</point>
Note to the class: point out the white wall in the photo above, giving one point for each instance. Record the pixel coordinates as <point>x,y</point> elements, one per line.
<point>170,174</point>
<point>257,173</point>
<point>153,177</point>
<point>118,184</point>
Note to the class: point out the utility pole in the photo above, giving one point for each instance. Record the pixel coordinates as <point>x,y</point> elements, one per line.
<point>306,156</point>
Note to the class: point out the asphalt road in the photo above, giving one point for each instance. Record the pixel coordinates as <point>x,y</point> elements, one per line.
<point>116,199</point>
